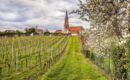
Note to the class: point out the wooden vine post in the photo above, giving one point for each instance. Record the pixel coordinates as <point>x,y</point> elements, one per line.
<point>51,53</point>
<point>44,67</point>
<point>12,52</point>
<point>0,73</point>
<point>26,61</point>
<point>8,69</point>
<point>40,60</point>
<point>16,64</point>
<point>31,57</point>
<point>22,65</point>
<point>60,51</point>
<point>57,54</point>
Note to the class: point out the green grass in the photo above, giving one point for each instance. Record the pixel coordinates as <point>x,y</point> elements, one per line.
<point>73,66</point>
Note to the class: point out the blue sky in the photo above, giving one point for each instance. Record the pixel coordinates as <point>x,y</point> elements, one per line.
<point>47,14</point>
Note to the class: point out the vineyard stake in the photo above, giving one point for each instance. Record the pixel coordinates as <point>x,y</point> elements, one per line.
<point>26,61</point>
<point>57,51</point>
<point>16,60</point>
<point>40,60</point>
<point>12,51</point>
<point>0,73</point>
<point>51,53</point>
<point>22,65</point>
<point>44,67</point>
<point>31,57</point>
<point>8,69</point>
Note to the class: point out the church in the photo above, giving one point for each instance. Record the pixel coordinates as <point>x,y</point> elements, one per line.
<point>73,30</point>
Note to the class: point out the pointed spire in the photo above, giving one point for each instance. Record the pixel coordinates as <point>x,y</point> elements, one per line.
<point>36,27</point>
<point>66,16</point>
<point>66,25</point>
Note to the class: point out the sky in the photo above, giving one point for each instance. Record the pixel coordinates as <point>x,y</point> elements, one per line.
<point>47,14</point>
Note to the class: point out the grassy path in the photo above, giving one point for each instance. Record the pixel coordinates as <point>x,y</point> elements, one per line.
<point>73,66</point>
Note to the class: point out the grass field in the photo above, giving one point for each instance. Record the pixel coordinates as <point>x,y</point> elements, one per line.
<point>73,66</point>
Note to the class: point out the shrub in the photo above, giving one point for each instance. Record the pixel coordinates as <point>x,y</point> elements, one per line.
<point>120,57</point>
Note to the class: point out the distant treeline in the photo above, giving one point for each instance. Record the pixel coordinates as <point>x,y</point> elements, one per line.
<point>11,34</point>
<point>27,33</point>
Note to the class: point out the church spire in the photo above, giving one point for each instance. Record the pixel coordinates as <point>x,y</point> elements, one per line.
<point>66,16</point>
<point>66,25</point>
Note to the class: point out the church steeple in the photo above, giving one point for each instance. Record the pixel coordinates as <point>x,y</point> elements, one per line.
<point>66,25</point>
<point>66,16</point>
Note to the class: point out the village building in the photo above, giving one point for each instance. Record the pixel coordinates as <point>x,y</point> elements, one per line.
<point>66,24</point>
<point>58,31</point>
<point>36,30</point>
<point>73,30</point>
<point>10,31</point>
<point>39,31</point>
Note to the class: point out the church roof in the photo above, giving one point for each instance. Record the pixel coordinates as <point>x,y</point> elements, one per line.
<point>75,29</point>
<point>58,31</point>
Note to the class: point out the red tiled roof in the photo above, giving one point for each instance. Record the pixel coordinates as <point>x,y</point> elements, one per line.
<point>31,28</point>
<point>39,31</point>
<point>9,30</point>
<point>75,29</point>
<point>58,31</point>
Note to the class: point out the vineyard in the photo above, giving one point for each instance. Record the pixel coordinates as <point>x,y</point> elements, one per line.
<point>29,57</point>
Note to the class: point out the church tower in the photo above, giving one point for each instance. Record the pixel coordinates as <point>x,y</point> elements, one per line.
<point>66,25</point>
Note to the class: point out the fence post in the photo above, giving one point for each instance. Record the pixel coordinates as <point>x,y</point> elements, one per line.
<point>57,51</point>
<point>26,61</point>
<point>31,57</point>
<point>40,60</point>
<point>51,53</point>
<point>44,68</point>
<point>110,72</point>
<point>16,61</point>
<point>60,51</point>
<point>22,65</point>
<point>8,69</point>
<point>47,66</point>
<point>49,63</point>
<point>12,52</point>
<point>0,73</point>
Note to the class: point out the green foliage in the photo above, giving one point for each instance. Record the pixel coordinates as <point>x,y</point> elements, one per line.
<point>18,32</point>
<point>7,33</point>
<point>56,34</point>
<point>47,33</point>
<point>90,55</point>
<point>11,34</point>
<point>29,31</point>
<point>127,54</point>
<point>121,57</point>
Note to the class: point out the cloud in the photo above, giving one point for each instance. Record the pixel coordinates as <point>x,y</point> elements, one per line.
<point>11,25</point>
<point>8,16</point>
<point>47,14</point>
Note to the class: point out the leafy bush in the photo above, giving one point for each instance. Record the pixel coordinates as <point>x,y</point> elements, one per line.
<point>47,33</point>
<point>121,57</point>
<point>90,55</point>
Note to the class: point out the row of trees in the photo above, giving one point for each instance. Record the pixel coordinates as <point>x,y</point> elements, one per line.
<point>109,31</point>
<point>27,32</point>
<point>11,33</point>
